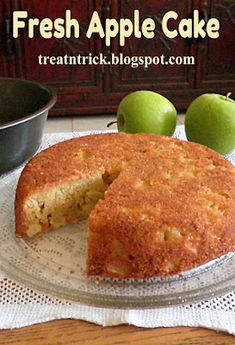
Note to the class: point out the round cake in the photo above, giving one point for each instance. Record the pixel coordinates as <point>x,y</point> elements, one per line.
<point>156,206</point>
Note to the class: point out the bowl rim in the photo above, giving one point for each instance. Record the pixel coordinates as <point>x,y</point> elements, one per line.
<point>46,107</point>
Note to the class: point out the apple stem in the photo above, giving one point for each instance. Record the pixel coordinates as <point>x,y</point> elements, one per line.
<point>111,123</point>
<point>228,95</point>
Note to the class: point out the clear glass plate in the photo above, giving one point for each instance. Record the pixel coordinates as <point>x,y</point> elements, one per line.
<point>55,263</point>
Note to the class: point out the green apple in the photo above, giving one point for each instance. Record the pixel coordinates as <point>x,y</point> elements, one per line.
<point>146,112</point>
<point>210,121</point>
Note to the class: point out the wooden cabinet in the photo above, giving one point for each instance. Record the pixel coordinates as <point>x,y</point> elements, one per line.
<point>7,52</point>
<point>74,84</point>
<point>90,89</point>
<point>216,58</point>
<point>3,65</point>
<point>124,78</point>
<point>166,79</point>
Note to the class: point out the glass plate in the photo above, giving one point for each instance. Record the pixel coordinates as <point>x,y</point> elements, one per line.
<point>55,263</point>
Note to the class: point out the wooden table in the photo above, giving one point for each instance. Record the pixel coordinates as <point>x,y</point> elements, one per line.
<point>71,332</point>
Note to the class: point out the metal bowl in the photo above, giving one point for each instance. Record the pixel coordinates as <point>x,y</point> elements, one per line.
<point>24,107</point>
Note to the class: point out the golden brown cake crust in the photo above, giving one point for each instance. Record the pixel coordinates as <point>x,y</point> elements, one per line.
<point>171,208</point>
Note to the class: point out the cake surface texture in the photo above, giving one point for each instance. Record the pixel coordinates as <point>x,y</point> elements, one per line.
<point>156,206</point>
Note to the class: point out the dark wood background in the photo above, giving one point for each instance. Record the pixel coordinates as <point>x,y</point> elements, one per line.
<point>97,89</point>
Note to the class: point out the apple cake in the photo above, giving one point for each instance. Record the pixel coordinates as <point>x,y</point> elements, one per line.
<point>156,206</point>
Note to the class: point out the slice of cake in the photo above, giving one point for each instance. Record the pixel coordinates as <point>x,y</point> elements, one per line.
<point>155,205</point>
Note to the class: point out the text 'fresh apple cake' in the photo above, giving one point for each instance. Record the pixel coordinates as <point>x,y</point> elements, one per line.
<point>156,206</point>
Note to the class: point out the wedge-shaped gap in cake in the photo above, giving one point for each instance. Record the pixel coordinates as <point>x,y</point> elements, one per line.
<point>66,204</point>
<point>109,177</point>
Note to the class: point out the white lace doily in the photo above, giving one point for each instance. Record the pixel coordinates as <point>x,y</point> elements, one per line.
<point>21,306</point>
